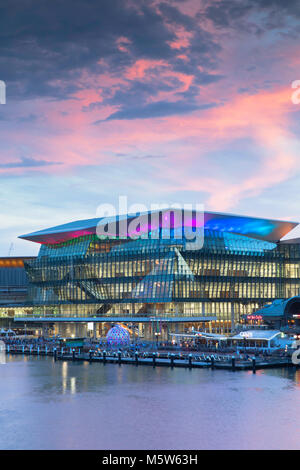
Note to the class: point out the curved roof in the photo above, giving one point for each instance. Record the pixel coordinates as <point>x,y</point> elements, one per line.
<point>277,308</point>
<point>253,227</point>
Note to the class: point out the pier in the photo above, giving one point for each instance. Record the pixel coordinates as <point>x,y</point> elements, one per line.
<point>154,359</point>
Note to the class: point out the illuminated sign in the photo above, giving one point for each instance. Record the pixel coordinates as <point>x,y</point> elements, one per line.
<point>246,334</point>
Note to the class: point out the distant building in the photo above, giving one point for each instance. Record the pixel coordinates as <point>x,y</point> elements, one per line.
<point>13,289</point>
<point>281,313</point>
<point>160,284</point>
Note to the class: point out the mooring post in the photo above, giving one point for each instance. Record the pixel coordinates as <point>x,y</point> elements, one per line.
<point>104,357</point>
<point>73,355</point>
<point>254,365</point>
<point>55,354</point>
<point>38,350</point>
<point>136,358</point>
<point>190,360</point>
<point>90,355</point>
<point>154,359</point>
<point>172,360</point>
<point>23,349</point>
<point>119,357</point>
<point>212,362</point>
<point>46,351</point>
<point>233,363</point>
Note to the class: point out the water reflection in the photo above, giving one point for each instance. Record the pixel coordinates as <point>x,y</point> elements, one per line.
<point>72,405</point>
<point>73,385</point>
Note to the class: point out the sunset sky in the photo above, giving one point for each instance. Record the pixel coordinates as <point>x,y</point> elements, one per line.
<point>162,101</point>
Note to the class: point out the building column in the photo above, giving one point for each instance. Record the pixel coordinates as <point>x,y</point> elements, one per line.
<point>148,332</point>
<point>232,318</point>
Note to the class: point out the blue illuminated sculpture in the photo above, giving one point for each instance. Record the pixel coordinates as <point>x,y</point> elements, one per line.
<point>118,336</point>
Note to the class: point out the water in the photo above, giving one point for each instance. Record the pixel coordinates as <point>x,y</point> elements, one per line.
<point>63,405</point>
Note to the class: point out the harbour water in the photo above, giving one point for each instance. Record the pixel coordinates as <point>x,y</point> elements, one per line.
<point>65,405</point>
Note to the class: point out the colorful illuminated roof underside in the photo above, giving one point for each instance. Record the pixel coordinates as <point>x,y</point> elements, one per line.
<point>261,229</point>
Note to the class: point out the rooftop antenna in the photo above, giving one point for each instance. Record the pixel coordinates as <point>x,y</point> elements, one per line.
<point>10,249</point>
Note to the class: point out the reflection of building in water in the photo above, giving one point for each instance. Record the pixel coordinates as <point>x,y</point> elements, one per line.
<point>73,385</point>
<point>2,352</point>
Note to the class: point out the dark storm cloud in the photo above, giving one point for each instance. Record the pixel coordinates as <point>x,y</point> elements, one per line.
<point>28,163</point>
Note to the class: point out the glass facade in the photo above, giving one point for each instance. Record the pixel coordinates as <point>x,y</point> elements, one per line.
<point>145,279</point>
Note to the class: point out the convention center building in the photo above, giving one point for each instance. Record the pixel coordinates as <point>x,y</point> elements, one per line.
<point>159,272</point>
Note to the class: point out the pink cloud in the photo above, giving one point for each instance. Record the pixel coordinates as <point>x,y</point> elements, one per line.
<point>183,39</point>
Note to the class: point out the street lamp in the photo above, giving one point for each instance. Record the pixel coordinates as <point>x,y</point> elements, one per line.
<point>157,334</point>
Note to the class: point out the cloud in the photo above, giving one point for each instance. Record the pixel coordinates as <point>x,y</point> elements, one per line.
<point>28,163</point>
<point>157,109</point>
<point>254,16</point>
<point>198,91</point>
<point>139,157</point>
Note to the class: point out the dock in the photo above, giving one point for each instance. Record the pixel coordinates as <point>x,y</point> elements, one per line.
<point>155,359</point>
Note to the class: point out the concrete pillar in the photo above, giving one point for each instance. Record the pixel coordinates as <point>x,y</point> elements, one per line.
<point>101,330</point>
<point>80,330</point>
<point>148,332</point>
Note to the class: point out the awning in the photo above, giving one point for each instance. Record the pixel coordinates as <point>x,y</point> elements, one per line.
<point>256,335</point>
<point>201,334</point>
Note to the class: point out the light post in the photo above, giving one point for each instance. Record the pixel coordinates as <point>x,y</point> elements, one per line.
<point>152,320</point>
<point>157,334</point>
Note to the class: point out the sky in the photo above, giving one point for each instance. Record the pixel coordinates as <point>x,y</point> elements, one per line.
<point>170,101</point>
